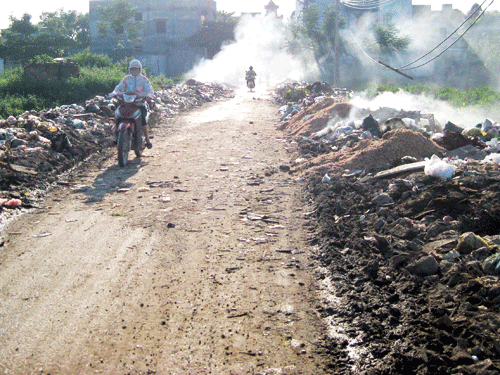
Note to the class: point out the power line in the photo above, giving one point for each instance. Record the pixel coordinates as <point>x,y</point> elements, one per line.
<point>366,5</point>
<point>449,36</point>
<point>451,45</point>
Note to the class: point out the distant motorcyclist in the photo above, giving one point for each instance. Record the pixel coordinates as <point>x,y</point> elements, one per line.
<point>250,77</point>
<point>138,83</point>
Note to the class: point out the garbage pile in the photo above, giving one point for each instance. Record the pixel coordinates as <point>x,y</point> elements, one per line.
<point>407,217</point>
<point>297,96</point>
<point>38,146</point>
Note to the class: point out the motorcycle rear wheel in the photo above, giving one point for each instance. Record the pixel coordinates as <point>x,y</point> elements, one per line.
<point>124,140</point>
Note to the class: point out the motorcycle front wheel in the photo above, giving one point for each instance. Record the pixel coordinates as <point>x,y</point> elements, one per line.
<point>124,140</point>
<point>138,141</point>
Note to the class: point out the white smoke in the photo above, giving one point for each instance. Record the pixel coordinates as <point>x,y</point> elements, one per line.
<point>260,42</point>
<point>443,112</point>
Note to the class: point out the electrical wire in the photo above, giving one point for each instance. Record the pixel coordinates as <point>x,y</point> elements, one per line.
<point>449,36</point>
<point>451,45</point>
<point>366,5</point>
<point>361,49</point>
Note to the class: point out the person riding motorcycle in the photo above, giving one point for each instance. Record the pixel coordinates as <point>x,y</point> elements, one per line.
<point>250,75</point>
<point>138,83</point>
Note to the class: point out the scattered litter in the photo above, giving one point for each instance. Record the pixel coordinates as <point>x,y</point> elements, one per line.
<point>436,167</point>
<point>276,227</point>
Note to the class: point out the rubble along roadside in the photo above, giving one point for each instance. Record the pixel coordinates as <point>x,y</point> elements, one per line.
<point>409,254</point>
<point>36,148</point>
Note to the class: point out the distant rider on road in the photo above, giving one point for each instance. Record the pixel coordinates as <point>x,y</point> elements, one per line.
<point>250,75</point>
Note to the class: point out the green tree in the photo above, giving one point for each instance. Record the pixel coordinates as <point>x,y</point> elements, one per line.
<point>72,25</point>
<point>118,23</point>
<point>57,35</point>
<point>23,26</point>
<point>316,35</point>
<point>17,40</point>
<point>387,41</point>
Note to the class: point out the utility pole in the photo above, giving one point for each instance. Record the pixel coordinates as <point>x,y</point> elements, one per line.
<point>336,72</point>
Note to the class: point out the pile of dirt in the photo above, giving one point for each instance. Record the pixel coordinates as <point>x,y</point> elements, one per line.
<point>317,116</point>
<point>410,284</point>
<point>409,262</point>
<point>374,154</point>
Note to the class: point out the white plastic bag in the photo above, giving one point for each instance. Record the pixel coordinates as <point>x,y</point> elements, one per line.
<point>492,158</point>
<point>436,167</point>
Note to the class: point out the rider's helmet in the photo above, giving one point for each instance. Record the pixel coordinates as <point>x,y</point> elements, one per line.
<point>251,68</point>
<point>135,67</point>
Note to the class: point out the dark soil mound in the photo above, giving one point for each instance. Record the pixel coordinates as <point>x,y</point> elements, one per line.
<point>406,294</point>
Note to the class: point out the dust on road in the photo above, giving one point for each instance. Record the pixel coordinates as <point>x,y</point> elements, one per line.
<point>193,260</point>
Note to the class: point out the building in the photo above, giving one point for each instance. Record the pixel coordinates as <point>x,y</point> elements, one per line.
<point>167,25</point>
<point>459,65</point>
<point>356,15</point>
<point>271,9</point>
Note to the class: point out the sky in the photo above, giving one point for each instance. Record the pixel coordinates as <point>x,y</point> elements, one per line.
<point>286,7</point>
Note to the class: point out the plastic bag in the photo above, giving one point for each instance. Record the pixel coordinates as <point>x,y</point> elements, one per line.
<point>436,167</point>
<point>492,158</point>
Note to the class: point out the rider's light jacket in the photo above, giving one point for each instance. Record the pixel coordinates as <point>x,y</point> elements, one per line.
<point>139,84</point>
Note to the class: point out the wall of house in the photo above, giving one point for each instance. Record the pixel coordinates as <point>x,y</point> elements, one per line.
<point>167,24</point>
<point>55,70</point>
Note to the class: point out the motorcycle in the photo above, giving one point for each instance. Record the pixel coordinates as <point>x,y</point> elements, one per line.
<point>128,127</point>
<point>251,83</point>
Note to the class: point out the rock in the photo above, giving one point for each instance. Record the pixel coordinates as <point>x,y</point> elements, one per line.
<point>487,124</point>
<point>452,255</point>
<point>469,242</point>
<point>400,260</point>
<point>382,242</point>
<point>481,253</point>
<point>382,199</point>
<point>425,266</point>
<point>436,229</point>
<point>467,152</point>
<point>452,127</point>
<point>492,265</point>
<point>445,266</point>
<point>379,224</point>
<point>371,269</point>
<point>403,232</point>
<point>372,125</point>
<point>16,142</point>
<point>92,108</point>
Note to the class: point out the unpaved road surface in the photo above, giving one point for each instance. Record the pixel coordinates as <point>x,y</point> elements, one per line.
<point>192,260</point>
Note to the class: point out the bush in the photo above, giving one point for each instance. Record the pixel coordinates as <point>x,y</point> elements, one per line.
<point>18,94</point>
<point>90,60</point>
<point>40,59</point>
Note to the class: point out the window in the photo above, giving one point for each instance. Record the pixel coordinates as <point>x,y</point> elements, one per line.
<point>161,26</point>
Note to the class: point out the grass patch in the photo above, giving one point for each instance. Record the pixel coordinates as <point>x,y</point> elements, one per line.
<point>476,97</point>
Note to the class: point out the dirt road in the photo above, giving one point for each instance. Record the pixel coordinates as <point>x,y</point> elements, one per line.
<point>193,260</point>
